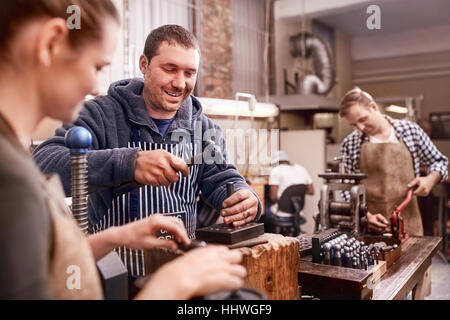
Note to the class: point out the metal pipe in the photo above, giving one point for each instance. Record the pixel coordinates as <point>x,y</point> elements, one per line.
<point>321,82</point>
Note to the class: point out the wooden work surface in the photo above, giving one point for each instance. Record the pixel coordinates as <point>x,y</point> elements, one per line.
<point>404,274</point>
<point>331,282</point>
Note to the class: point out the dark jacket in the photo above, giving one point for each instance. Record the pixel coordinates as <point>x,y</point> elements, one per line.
<point>111,163</point>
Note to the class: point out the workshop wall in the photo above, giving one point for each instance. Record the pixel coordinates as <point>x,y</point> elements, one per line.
<point>215,42</point>
<point>421,74</point>
<point>240,149</point>
<point>424,74</point>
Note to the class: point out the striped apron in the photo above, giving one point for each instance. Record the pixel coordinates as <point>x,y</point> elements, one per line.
<point>177,199</point>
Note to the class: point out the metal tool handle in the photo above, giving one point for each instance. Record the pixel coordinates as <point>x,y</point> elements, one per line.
<point>193,245</point>
<point>215,152</point>
<point>405,202</point>
<point>230,189</point>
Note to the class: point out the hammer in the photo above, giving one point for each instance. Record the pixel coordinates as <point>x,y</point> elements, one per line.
<point>198,158</point>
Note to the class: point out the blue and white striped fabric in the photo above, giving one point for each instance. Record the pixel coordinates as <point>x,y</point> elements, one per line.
<point>178,199</point>
<point>422,149</point>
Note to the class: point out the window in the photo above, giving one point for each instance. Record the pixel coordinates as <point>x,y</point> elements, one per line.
<point>142,16</point>
<point>250,46</point>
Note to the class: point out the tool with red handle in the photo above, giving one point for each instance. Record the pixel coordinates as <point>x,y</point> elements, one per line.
<point>397,224</point>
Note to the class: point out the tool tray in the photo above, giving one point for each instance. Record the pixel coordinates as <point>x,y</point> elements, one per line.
<point>335,282</point>
<point>391,256</point>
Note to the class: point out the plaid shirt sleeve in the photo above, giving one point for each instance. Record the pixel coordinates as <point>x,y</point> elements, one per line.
<point>426,152</point>
<point>350,150</point>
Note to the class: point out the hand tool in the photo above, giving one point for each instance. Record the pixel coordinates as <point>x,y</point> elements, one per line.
<point>227,234</point>
<point>212,151</point>
<point>397,223</point>
<point>193,245</point>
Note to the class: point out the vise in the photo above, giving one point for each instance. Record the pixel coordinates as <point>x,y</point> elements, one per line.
<point>112,271</point>
<point>343,215</point>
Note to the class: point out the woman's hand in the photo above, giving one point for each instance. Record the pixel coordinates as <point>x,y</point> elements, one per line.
<point>196,273</point>
<point>141,234</point>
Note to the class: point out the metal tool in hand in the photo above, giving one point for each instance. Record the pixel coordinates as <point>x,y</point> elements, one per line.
<point>193,245</point>
<point>212,152</point>
<point>226,233</point>
<point>397,223</point>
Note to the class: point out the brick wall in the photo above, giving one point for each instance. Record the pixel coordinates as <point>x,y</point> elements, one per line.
<point>216,47</point>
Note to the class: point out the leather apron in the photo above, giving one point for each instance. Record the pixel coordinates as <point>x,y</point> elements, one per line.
<point>71,255</point>
<point>389,167</point>
<point>73,272</point>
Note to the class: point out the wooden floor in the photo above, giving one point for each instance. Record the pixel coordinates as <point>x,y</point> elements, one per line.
<point>440,279</point>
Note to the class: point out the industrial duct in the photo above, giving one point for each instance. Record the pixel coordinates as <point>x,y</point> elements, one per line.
<point>310,45</point>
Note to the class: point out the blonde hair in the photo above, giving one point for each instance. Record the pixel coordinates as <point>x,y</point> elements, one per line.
<point>352,97</point>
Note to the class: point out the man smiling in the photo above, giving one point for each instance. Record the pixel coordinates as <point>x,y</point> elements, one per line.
<point>142,130</point>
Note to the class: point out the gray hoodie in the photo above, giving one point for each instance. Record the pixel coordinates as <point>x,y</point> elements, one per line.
<point>111,163</point>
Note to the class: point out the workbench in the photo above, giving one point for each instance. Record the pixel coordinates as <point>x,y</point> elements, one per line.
<point>403,275</point>
<point>330,282</point>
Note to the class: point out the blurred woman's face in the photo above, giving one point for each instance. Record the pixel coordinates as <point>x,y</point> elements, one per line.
<point>73,74</point>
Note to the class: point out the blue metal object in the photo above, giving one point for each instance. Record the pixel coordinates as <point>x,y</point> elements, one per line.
<point>78,140</point>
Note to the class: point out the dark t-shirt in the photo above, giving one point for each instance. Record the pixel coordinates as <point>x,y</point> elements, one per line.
<point>163,124</point>
<point>25,227</point>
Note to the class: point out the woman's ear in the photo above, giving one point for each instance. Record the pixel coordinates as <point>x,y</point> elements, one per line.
<point>51,40</point>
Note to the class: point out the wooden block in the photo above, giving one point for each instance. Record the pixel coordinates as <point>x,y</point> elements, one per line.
<point>273,267</point>
<point>378,271</point>
<point>391,256</point>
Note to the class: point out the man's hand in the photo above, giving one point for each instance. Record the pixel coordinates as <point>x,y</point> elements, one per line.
<point>240,208</point>
<point>424,184</point>
<point>141,234</point>
<point>158,168</point>
<point>377,222</point>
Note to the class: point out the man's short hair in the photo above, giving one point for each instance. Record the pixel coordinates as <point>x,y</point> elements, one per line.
<point>352,97</point>
<point>173,34</point>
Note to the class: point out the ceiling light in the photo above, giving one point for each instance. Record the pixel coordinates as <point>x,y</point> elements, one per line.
<point>226,107</point>
<point>396,109</point>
